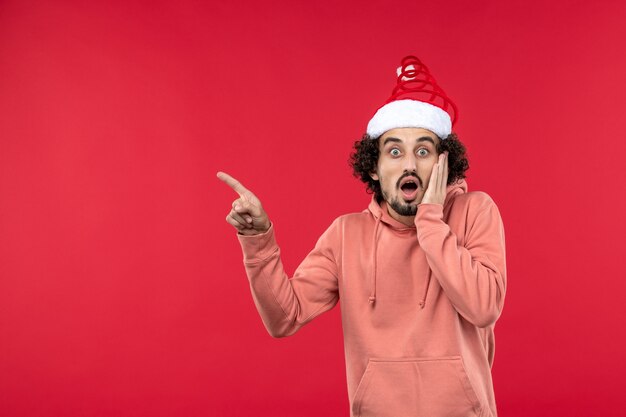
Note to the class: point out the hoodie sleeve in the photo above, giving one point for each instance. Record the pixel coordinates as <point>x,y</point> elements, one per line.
<point>473,276</point>
<point>286,304</point>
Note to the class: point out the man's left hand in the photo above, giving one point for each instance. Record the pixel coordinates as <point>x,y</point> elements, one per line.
<point>437,185</point>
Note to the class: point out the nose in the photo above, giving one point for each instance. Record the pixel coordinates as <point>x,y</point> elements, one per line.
<point>410,163</point>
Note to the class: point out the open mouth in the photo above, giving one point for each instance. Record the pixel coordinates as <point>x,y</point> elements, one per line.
<point>409,187</point>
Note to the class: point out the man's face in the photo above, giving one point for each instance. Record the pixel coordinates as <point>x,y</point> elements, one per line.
<point>407,156</point>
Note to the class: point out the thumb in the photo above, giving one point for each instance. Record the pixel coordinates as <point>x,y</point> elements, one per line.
<point>246,206</point>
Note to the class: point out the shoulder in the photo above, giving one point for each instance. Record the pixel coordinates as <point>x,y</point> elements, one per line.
<point>474,201</point>
<point>354,219</point>
<point>474,206</point>
<point>350,222</point>
<point>477,211</point>
<point>346,227</point>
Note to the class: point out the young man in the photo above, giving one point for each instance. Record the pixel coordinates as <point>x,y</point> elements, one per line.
<point>421,273</point>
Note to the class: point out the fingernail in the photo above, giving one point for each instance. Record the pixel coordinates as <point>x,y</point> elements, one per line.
<point>237,208</point>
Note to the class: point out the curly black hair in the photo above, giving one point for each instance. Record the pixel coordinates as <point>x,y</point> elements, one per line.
<point>364,161</point>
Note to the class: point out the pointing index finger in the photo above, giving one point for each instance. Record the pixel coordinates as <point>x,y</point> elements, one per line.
<point>232,183</point>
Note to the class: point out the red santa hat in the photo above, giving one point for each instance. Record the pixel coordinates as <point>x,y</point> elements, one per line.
<point>416,101</point>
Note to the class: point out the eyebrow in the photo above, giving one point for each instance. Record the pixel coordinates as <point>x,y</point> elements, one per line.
<point>420,139</point>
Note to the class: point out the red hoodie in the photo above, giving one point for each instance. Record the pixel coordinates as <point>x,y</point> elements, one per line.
<point>418,303</point>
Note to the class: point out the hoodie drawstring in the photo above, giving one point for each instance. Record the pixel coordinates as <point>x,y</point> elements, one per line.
<point>422,302</point>
<point>372,297</point>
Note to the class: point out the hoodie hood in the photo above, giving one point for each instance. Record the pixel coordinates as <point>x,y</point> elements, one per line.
<point>381,215</point>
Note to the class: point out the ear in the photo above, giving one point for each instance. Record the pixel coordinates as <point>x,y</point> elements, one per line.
<point>374,175</point>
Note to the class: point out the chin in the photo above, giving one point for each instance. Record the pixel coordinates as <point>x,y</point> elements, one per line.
<point>403,208</point>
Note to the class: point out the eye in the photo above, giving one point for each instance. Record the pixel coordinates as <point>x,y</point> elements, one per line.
<point>422,152</point>
<point>395,152</point>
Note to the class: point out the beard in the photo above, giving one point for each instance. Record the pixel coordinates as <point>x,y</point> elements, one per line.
<point>401,207</point>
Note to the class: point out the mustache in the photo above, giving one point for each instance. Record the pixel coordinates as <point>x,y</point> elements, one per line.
<point>409,174</point>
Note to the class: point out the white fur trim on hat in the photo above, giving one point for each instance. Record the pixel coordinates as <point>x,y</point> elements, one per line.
<point>410,113</point>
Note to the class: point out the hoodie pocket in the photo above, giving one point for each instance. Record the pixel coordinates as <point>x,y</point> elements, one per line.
<point>415,387</point>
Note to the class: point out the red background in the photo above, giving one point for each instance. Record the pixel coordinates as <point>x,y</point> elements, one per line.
<point>122,288</point>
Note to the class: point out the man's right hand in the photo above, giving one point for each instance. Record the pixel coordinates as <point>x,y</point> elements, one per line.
<point>247,214</point>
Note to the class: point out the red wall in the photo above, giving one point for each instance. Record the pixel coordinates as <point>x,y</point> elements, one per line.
<point>122,288</point>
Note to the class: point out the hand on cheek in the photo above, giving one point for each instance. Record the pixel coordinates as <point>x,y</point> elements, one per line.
<point>437,185</point>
